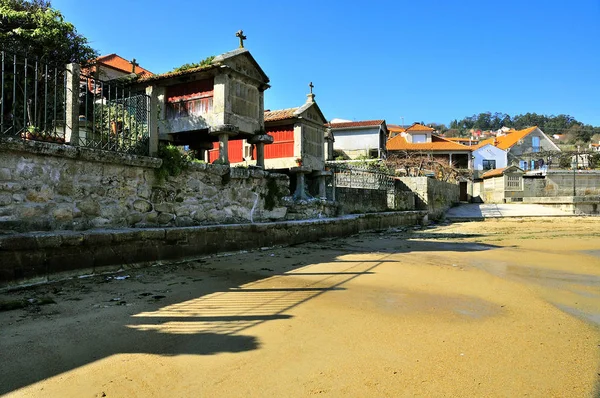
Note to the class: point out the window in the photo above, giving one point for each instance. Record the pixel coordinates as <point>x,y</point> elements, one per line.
<point>419,138</point>
<point>522,165</point>
<point>535,144</point>
<point>513,183</point>
<point>489,164</point>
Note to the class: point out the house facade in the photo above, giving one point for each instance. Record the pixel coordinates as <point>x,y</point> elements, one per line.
<point>487,157</point>
<point>419,140</point>
<point>525,148</point>
<point>500,186</point>
<point>113,66</point>
<point>360,139</point>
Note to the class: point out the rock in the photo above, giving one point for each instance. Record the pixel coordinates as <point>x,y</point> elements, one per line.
<point>164,208</point>
<point>184,221</point>
<point>152,217</point>
<point>5,199</point>
<point>165,218</point>
<point>5,174</point>
<point>100,222</point>
<point>89,207</point>
<point>134,218</point>
<point>143,206</point>
<point>43,195</point>
<point>63,214</point>
<point>144,192</point>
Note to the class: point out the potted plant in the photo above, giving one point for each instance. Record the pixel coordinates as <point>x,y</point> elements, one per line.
<point>299,162</point>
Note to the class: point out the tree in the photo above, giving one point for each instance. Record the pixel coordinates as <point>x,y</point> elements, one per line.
<point>34,28</point>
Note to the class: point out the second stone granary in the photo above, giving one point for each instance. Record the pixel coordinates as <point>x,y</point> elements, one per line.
<point>218,102</point>
<point>299,139</point>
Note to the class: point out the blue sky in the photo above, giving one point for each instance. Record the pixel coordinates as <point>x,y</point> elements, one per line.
<point>430,61</point>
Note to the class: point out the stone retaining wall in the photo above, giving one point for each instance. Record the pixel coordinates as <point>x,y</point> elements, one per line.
<point>42,257</point>
<point>432,195</point>
<point>47,187</point>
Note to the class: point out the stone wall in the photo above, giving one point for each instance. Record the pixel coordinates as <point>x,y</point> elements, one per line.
<point>58,187</point>
<point>360,200</point>
<point>432,195</point>
<point>36,258</point>
<point>560,183</point>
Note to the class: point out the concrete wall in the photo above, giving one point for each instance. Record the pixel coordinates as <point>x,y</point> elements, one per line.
<point>58,187</point>
<point>560,183</point>
<point>37,258</point>
<point>432,195</point>
<point>359,200</point>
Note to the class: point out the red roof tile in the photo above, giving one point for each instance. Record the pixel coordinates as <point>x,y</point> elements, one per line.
<point>419,127</point>
<point>508,140</point>
<point>365,123</point>
<point>281,114</point>
<point>117,62</point>
<point>399,143</point>
<point>493,173</point>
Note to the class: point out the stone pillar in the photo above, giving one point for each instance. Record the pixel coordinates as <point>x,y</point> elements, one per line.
<point>300,193</point>
<point>72,104</point>
<point>260,141</point>
<point>450,160</point>
<point>322,179</point>
<point>153,116</point>
<point>224,132</point>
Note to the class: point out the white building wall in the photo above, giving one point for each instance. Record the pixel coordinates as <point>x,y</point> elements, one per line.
<point>489,152</point>
<point>356,139</point>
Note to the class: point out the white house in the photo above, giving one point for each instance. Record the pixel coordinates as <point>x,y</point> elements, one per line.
<point>488,157</point>
<point>364,138</point>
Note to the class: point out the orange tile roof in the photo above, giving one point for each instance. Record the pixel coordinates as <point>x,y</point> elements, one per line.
<point>120,63</point>
<point>281,114</point>
<point>364,123</point>
<point>419,127</point>
<point>507,141</point>
<point>399,143</point>
<point>394,128</point>
<point>460,139</point>
<point>493,173</point>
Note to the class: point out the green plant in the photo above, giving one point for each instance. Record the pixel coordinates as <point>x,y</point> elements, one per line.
<point>173,162</point>
<point>272,196</point>
<point>205,62</point>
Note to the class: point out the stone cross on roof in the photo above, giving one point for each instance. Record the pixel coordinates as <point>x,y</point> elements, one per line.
<point>240,34</point>
<point>311,87</point>
<point>133,65</point>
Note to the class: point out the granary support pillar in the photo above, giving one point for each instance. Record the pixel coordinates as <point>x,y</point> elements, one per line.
<point>321,177</point>
<point>260,141</point>
<point>202,149</point>
<point>224,132</point>
<point>300,172</point>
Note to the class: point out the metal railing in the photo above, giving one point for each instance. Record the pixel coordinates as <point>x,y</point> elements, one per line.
<point>34,106</point>
<point>32,98</point>
<point>112,117</point>
<point>353,176</point>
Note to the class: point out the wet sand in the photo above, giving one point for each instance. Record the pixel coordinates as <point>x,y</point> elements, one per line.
<point>495,308</point>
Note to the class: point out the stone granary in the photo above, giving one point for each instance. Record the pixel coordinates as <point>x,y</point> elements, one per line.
<point>219,102</point>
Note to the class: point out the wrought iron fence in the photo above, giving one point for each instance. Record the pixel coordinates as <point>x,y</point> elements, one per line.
<point>353,176</point>
<point>33,106</point>
<point>32,98</point>
<point>112,117</point>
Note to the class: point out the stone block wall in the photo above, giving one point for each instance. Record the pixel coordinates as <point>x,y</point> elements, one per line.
<point>432,195</point>
<point>57,187</point>
<point>360,200</point>
<point>560,183</point>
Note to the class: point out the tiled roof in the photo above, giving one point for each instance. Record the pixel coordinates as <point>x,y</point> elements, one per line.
<point>395,128</point>
<point>461,139</point>
<point>175,74</point>
<point>508,140</point>
<point>419,127</point>
<point>493,173</point>
<point>281,114</point>
<point>120,63</point>
<point>399,143</point>
<point>364,123</point>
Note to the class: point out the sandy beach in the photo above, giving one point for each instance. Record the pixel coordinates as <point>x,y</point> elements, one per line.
<point>483,309</point>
